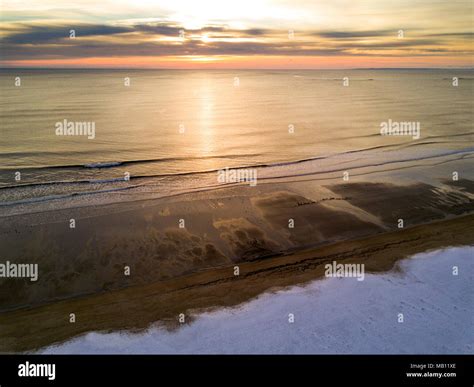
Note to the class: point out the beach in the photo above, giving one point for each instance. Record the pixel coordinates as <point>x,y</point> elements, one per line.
<point>332,316</point>
<point>129,230</point>
<point>271,185</point>
<point>174,271</point>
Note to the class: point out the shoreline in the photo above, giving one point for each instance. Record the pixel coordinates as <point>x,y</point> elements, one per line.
<point>175,237</point>
<point>95,189</point>
<point>328,316</point>
<point>136,307</point>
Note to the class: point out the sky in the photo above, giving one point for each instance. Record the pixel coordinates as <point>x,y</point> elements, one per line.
<point>276,34</point>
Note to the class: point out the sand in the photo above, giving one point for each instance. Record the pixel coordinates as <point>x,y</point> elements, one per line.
<point>330,316</point>
<point>222,228</point>
<point>174,270</point>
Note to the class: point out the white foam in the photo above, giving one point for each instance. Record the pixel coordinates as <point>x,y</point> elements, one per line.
<point>337,315</point>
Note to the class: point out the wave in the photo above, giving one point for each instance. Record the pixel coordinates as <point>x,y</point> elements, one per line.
<point>106,164</point>
<point>178,174</point>
<point>262,165</point>
<point>117,163</point>
<point>61,196</point>
<point>112,164</point>
<point>381,164</point>
<point>219,186</point>
<point>372,135</point>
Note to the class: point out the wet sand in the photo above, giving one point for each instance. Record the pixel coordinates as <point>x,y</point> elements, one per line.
<point>175,270</point>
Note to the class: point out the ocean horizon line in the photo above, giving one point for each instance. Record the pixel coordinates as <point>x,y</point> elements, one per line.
<point>234,69</point>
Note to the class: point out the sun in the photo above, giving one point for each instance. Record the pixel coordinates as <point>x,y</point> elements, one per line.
<point>204,59</point>
<point>205,38</point>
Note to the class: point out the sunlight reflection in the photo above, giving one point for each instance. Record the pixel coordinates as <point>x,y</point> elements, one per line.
<point>206,123</point>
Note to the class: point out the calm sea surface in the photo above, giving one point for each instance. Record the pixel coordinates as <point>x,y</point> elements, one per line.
<point>180,123</point>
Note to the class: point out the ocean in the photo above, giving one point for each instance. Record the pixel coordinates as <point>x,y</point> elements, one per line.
<point>164,132</point>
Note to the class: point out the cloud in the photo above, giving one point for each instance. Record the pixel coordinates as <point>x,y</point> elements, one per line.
<point>465,35</point>
<point>32,41</point>
<point>31,34</point>
<point>355,34</point>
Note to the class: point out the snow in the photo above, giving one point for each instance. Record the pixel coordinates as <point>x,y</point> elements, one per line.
<point>331,316</point>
